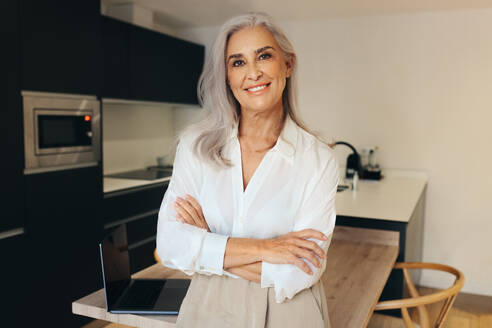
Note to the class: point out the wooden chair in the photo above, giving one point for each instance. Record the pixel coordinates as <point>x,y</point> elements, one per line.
<point>420,302</point>
<point>156,257</point>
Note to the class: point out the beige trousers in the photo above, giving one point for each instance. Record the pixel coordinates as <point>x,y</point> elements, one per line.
<point>220,301</point>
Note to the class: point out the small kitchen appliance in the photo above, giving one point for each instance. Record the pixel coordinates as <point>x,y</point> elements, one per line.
<point>353,161</point>
<point>60,130</point>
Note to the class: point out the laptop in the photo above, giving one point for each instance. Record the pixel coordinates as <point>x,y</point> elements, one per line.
<point>139,296</point>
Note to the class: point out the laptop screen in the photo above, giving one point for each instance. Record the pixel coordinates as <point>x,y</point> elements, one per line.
<point>115,264</point>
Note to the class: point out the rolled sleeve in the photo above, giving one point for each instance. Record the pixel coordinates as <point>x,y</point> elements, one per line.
<point>288,279</point>
<point>317,212</point>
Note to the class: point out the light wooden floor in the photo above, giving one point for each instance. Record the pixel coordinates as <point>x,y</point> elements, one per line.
<point>468,311</point>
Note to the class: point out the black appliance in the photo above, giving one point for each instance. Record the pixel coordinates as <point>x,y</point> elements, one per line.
<point>353,161</point>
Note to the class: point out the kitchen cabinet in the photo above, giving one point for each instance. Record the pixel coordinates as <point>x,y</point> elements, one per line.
<point>14,279</point>
<point>164,68</point>
<point>61,46</point>
<point>63,229</point>
<point>137,209</point>
<point>116,38</point>
<point>141,64</point>
<point>11,140</point>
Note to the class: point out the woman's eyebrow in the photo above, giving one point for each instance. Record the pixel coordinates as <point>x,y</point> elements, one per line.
<point>263,49</point>
<point>234,56</point>
<point>257,51</point>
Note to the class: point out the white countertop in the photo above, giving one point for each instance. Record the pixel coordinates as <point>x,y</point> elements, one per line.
<point>115,184</point>
<point>393,198</point>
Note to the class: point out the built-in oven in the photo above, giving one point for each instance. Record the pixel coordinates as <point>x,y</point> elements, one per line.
<point>60,131</point>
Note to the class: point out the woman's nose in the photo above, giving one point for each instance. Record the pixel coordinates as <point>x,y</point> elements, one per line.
<point>254,72</point>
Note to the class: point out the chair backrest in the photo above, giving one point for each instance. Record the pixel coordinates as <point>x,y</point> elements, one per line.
<point>420,302</point>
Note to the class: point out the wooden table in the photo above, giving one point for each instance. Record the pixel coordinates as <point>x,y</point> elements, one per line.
<point>359,262</point>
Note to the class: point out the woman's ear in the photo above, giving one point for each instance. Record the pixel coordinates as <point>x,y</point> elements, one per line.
<point>289,63</point>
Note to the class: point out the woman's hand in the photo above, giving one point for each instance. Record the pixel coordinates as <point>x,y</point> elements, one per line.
<point>293,247</point>
<point>189,211</point>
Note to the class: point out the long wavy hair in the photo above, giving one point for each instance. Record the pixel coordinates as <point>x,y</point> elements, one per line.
<point>222,110</point>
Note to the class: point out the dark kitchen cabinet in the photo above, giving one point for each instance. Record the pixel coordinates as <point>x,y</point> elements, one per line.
<point>61,46</point>
<point>11,140</point>
<point>138,210</point>
<point>63,228</point>
<point>164,68</point>
<point>116,38</point>
<point>15,274</point>
<point>141,64</point>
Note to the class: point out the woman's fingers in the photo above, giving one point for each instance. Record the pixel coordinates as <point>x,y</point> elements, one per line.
<point>308,255</point>
<point>186,206</point>
<point>311,245</point>
<point>195,205</point>
<point>182,215</point>
<point>192,214</point>
<point>301,264</point>
<point>310,233</point>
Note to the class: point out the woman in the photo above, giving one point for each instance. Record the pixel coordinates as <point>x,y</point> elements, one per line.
<point>250,206</point>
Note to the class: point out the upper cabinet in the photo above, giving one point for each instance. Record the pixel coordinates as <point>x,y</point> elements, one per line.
<point>141,64</point>
<point>116,38</point>
<point>61,46</point>
<point>164,68</point>
<point>68,47</point>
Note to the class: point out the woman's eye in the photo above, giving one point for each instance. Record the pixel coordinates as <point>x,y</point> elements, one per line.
<point>237,63</point>
<point>265,56</point>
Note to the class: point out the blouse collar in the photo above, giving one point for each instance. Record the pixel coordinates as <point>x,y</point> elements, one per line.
<point>287,141</point>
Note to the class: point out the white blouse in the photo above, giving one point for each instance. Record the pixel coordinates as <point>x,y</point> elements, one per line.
<point>293,188</point>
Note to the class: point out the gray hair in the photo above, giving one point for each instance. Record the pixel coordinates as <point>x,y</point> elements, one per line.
<point>222,110</point>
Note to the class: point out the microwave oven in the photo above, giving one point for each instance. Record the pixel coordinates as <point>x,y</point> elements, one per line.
<point>60,131</point>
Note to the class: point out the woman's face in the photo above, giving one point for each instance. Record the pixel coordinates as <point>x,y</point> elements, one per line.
<point>256,69</point>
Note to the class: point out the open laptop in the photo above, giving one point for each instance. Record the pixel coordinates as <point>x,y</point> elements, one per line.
<point>140,296</point>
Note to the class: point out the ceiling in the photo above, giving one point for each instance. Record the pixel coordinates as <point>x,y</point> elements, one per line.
<point>197,13</point>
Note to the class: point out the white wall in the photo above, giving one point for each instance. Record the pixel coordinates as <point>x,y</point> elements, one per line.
<point>419,86</point>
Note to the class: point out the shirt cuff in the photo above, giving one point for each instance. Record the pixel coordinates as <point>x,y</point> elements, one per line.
<point>266,275</point>
<point>212,254</point>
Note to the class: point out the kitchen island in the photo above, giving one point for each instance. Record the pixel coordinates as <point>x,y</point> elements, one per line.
<point>395,203</point>
<point>358,264</point>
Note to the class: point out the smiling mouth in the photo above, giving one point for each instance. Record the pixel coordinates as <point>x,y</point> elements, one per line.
<point>258,87</point>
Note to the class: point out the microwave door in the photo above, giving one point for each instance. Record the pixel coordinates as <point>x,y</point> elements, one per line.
<point>63,132</point>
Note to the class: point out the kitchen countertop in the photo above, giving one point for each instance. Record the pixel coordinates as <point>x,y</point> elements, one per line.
<point>393,198</point>
<point>116,184</point>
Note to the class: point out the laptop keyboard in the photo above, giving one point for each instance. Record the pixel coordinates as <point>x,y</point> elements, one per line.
<point>142,295</point>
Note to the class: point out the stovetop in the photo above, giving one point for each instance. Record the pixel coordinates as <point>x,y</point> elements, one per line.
<point>150,173</point>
